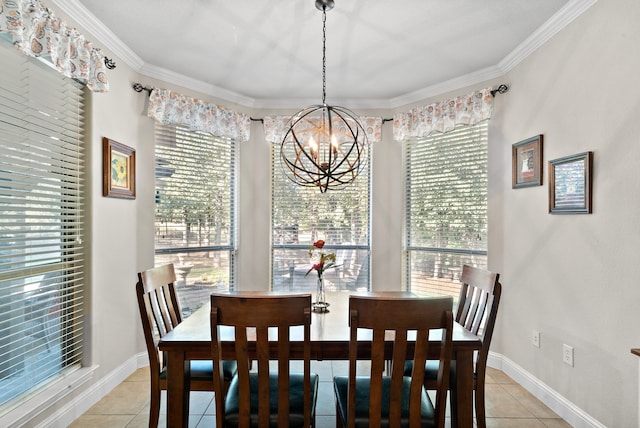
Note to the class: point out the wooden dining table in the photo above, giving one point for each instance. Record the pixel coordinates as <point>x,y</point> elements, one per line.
<point>191,340</point>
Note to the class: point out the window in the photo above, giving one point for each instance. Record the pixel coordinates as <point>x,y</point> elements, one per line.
<point>446,208</point>
<point>301,215</point>
<point>41,225</point>
<point>195,211</point>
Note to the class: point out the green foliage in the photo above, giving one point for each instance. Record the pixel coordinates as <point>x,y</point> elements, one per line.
<point>194,202</point>
<point>303,214</point>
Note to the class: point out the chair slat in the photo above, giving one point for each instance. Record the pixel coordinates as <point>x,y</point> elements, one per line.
<point>172,313</point>
<point>266,314</point>
<point>283,375</point>
<point>464,302</point>
<point>397,376</point>
<point>399,316</point>
<point>480,311</point>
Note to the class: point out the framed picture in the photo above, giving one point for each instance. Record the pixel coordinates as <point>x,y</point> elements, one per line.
<point>118,170</point>
<point>570,184</point>
<point>526,160</point>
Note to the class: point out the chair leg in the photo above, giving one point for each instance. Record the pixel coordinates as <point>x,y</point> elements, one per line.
<point>339,423</point>
<point>154,412</point>
<point>479,403</point>
<point>453,401</point>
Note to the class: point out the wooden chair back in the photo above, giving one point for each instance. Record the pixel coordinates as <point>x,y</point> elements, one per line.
<point>258,317</point>
<point>159,309</point>
<point>400,316</point>
<point>478,307</point>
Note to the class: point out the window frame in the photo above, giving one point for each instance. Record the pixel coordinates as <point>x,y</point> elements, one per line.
<point>445,279</point>
<point>354,259</point>
<point>178,253</point>
<point>44,160</point>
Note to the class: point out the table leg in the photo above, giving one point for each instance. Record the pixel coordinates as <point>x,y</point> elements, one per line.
<point>178,375</point>
<point>462,391</point>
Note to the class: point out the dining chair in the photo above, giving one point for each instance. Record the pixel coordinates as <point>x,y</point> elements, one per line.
<point>391,399</point>
<point>160,313</point>
<point>269,396</point>
<point>477,311</point>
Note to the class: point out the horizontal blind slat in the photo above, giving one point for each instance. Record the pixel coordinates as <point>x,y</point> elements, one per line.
<point>41,224</point>
<point>445,207</point>
<point>301,215</point>
<point>195,207</point>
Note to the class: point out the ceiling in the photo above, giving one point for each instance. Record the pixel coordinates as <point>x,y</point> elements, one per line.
<point>269,53</point>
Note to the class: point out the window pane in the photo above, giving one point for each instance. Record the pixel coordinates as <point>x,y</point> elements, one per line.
<point>198,274</point>
<point>291,266</point>
<point>41,225</point>
<point>195,211</point>
<point>302,215</point>
<point>446,208</point>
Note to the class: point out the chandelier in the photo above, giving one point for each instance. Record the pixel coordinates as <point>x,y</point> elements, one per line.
<point>324,146</point>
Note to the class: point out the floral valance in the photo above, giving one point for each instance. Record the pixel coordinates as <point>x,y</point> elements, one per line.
<point>276,127</point>
<point>443,116</point>
<point>37,32</point>
<point>170,108</point>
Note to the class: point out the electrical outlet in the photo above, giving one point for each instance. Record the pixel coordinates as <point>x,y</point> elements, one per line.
<point>535,338</point>
<point>567,354</point>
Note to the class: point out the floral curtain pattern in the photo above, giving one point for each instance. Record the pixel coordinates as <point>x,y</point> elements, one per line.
<point>276,127</point>
<point>443,116</point>
<point>36,31</point>
<point>170,108</point>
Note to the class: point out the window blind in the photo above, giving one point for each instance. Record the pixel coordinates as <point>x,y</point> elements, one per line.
<point>446,207</point>
<point>301,215</point>
<point>195,211</point>
<point>42,254</point>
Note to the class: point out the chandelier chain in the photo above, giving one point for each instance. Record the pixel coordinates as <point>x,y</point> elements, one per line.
<point>324,54</point>
<point>324,146</point>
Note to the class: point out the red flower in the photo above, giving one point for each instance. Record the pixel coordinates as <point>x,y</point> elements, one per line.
<point>327,261</point>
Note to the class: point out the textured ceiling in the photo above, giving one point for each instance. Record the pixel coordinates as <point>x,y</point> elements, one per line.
<point>269,53</point>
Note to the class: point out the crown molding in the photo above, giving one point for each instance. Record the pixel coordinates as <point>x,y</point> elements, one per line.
<point>105,36</point>
<point>557,22</point>
<point>298,103</point>
<point>550,28</point>
<point>546,31</point>
<point>165,75</point>
<point>447,86</point>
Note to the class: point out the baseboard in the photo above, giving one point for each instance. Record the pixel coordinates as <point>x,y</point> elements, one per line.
<point>568,411</point>
<point>80,404</point>
<point>142,360</point>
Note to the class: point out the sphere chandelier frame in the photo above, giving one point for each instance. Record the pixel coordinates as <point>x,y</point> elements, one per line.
<point>324,146</point>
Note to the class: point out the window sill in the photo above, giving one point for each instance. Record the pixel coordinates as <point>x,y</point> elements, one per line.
<point>28,408</point>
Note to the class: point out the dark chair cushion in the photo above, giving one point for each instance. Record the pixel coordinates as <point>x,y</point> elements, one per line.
<point>341,385</point>
<point>296,400</point>
<point>430,369</point>
<point>203,369</point>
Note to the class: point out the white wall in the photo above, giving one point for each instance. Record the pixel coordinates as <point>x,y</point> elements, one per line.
<point>115,226</point>
<point>574,277</point>
<point>570,277</point>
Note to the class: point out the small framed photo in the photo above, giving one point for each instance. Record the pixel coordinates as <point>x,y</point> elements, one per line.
<point>570,184</point>
<point>526,160</point>
<point>118,170</point>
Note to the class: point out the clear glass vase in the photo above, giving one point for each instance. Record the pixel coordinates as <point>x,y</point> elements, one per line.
<point>320,304</point>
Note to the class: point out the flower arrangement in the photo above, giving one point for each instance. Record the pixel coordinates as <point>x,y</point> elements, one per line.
<point>326,260</point>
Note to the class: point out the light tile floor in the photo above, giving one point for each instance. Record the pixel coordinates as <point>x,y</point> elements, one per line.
<point>508,404</point>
